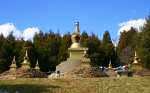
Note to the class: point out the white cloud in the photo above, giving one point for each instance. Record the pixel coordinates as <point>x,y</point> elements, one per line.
<point>5,29</point>
<point>29,33</point>
<point>137,24</point>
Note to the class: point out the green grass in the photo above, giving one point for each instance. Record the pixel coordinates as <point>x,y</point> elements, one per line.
<point>82,85</point>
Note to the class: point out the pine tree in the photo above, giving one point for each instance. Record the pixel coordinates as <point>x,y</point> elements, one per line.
<point>38,41</point>
<point>19,56</point>
<point>3,50</point>
<point>10,47</point>
<point>93,43</point>
<point>144,45</point>
<point>65,44</point>
<point>58,40</point>
<point>84,36</point>
<point>7,51</point>
<point>126,46</point>
<point>126,39</point>
<point>54,45</point>
<point>108,50</point>
<point>47,49</point>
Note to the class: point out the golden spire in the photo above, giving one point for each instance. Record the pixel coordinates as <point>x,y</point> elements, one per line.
<point>37,64</point>
<point>77,31</point>
<point>14,61</point>
<point>76,38</point>
<point>110,65</point>
<point>26,58</point>
<point>26,54</point>
<point>136,59</point>
<point>13,65</point>
<point>135,54</point>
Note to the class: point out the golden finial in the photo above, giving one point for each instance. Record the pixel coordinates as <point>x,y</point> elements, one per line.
<point>26,58</point>
<point>77,23</point>
<point>136,59</point>
<point>14,61</point>
<point>76,37</point>
<point>135,54</point>
<point>26,54</point>
<point>110,65</point>
<point>37,64</point>
<point>77,31</point>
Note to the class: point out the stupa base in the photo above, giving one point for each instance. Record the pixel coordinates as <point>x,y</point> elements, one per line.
<point>136,65</point>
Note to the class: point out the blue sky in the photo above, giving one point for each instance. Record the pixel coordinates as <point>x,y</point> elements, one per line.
<point>25,17</point>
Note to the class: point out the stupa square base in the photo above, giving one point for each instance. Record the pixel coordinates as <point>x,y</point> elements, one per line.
<point>136,65</point>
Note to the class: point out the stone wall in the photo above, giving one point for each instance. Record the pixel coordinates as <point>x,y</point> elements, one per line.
<point>67,66</point>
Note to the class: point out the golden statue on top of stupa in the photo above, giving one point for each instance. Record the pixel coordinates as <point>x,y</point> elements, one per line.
<point>76,38</point>
<point>136,59</point>
<point>110,65</point>
<point>26,58</point>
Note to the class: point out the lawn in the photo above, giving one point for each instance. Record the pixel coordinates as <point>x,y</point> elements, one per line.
<point>80,85</point>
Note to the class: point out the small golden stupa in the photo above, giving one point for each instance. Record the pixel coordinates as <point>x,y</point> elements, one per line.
<point>85,61</point>
<point>110,69</point>
<point>37,65</point>
<point>136,63</point>
<point>110,65</point>
<point>26,63</point>
<point>13,65</point>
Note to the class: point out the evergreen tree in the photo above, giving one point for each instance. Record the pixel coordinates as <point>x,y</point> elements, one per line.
<point>47,49</point>
<point>126,46</point>
<point>65,44</point>
<point>19,56</point>
<point>7,51</point>
<point>144,45</point>
<point>54,45</point>
<point>93,43</point>
<point>58,39</point>
<point>108,50</point>
<point>10,48</point>
<point>38,41</point>
<point>84,36</point>
<point>126,39</point>
<point>3,54</point>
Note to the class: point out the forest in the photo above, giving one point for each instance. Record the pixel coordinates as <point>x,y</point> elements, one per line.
<point>50,48</point>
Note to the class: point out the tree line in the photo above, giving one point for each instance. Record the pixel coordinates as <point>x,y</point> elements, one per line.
<point>50,48</point>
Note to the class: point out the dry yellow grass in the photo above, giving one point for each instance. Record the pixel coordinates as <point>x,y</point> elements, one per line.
<point>81,85</point>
